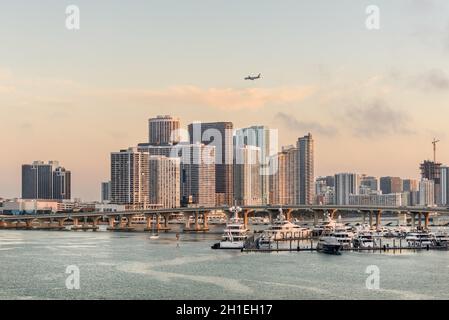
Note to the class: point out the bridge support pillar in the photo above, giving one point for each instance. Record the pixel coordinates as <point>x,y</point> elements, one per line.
<point>419,220</point>
<point>197,226</point>
<point>205,220</point>
<point>111,221</point>
<point>315,218</point>
<point>379,220</point>
<point>158,222</point>
<point>370,219</point>
<point>75,222</point>
<point>245,218</point>
<point>364,217</point>
<point>426,221</point>
<point>187,221</point>
<point>166,221</point>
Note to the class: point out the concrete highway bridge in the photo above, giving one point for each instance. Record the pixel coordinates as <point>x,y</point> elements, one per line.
<point>123,221</point>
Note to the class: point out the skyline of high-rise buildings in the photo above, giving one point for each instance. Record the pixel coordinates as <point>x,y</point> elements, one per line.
<point>259,174</point>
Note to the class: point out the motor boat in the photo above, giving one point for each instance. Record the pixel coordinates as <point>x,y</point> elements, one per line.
<point>364,240</point>
<point>325,227</point>
<point>343,236</point>
<point>420,239</point>
<point>234,235</point>
<point>441,239</point>
<point>329,245</point>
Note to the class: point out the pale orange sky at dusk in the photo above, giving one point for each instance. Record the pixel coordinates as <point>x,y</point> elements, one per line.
<point>373,100</point>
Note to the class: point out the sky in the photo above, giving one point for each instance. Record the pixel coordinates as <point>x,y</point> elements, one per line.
<point>373,99</point>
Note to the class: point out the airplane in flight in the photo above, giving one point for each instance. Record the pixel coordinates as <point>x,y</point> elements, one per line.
<point>253,78</point>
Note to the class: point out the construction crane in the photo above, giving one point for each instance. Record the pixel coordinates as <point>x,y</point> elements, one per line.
<point>434,142</point>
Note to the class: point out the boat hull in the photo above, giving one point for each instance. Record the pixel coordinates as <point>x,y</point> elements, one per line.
<point>236,245</point>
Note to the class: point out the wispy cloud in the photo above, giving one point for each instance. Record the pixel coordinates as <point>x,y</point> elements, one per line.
<point>220,98</point>
<point>377,119</point>
<point>435,79</point>
<point>294,124</point>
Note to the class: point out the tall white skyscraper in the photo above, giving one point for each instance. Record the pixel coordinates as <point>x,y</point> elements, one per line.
<point>165,181</point>
<point>129,178</point>
<point>265,139</point>
<point>345,185</point>
<point>426,192</point>
<point>283,183</point>
<point>247,178</point>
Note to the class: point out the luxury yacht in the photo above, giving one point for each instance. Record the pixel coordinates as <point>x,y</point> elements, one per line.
<point>364,240</point>
<point>442,239</point>
<point>343,236</point>
<point>420,239</point>
<point>234,235</point>
<point>325,227</point>
<point>329,244</point>
<point>282,230</point>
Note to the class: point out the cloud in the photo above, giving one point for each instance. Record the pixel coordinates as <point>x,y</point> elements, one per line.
<point>292,123</point>
<point>7,89</point>
<point>220,98</point>
<point>436,79</point>
<point>376,119</point>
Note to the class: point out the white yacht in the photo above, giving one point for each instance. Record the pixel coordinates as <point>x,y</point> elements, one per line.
<point>364,240</point>
<point>442,239</point>
<point>326,227</point>
<point>282,230</point>
<point>420,239</point>
<point>343,236</point>
<point>361,228</point>
<point>329,244</point>
<point>398,232</point>
<point>234,235</point>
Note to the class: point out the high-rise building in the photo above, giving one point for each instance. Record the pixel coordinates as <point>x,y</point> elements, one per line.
<point>369,182</point>
<point>390,185</point>
<point>345,185</point>
<point>197,175</point>
<point>283,182</point>
<point>45,181</point>
<point>324,190</point>
<point>163,130</point>
<point>426,192</point>
<point>106,191</point>
<point>62,184</point>
<point>391,200</point>
<point>410,185</point>
<point>431,171</point>
<point>306,171</point>
<point>165,181</point>
<point>220,135</point>
<point>259,136</point>
<point>130,178</point>
<point>247,178</point>
<point>444,186</point>
<point>197,170</point>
